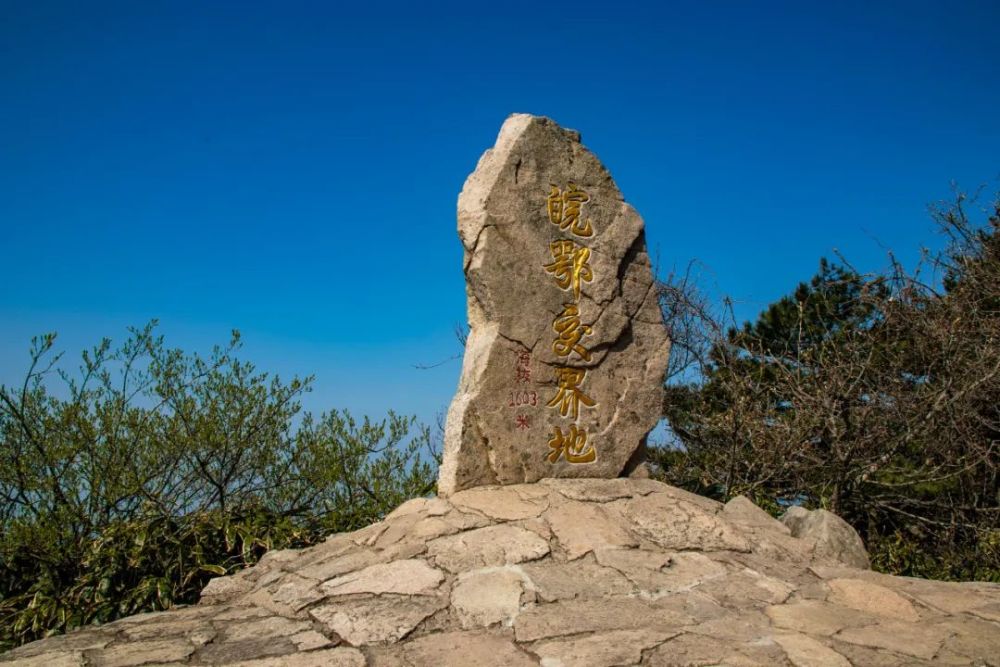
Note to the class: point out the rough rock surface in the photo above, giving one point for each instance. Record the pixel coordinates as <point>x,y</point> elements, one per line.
<point>832,536</point>
<point>511,576</point>
<point>564,363</point>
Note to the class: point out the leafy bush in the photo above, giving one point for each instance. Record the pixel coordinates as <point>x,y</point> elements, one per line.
<point>877,397</point>
<point>127,486</point>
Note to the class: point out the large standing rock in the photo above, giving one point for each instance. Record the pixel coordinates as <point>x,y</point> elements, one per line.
<point>566,353</point>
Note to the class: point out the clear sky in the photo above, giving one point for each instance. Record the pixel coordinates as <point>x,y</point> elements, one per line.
<point>291,169</point>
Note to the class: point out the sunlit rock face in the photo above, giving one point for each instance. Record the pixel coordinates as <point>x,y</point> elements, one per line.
<point>564,364</point>
<point>596,572</point>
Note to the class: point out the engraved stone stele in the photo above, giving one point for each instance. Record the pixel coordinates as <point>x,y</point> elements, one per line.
<point>566,354</point>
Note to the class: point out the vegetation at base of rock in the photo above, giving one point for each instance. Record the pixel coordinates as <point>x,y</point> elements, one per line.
<point>127,486</point>
<point>874,396</point>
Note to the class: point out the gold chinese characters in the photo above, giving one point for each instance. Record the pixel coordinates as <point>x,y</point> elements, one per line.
<point>564,210</point>
<point>569,396</point>
<point>571,266</point>
<point>572,445</point>
<point>570,269</point>
<point>570,331</point>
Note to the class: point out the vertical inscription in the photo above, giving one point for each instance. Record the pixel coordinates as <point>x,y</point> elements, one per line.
<point>570,268</point>
<point>522,398</point>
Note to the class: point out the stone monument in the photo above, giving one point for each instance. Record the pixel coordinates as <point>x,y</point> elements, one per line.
<point>565,359</point>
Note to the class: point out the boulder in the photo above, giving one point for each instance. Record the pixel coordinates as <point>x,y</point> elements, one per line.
<point>834,538</point>
<point>566,353</point>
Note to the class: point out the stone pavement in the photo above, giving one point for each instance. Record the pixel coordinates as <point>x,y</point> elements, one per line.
<point>560,573</point>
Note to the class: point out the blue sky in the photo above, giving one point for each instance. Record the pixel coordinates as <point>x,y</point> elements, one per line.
<point>291,169</point>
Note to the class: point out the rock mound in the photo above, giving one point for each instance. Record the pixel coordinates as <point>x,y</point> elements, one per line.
<point>563,572</point>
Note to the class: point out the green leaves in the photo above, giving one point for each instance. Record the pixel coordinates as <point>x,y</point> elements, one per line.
<point>149,471</point>
<point>874,396</point>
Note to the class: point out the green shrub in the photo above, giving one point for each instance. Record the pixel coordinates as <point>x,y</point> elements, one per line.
<point>874,396</point>
<point>126,487</point>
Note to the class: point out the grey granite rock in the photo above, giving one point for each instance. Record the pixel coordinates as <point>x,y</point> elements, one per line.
<point>834,538</point>
<point>566,353</point>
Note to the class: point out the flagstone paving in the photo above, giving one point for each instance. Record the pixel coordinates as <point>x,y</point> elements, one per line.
<point>559,573</point>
